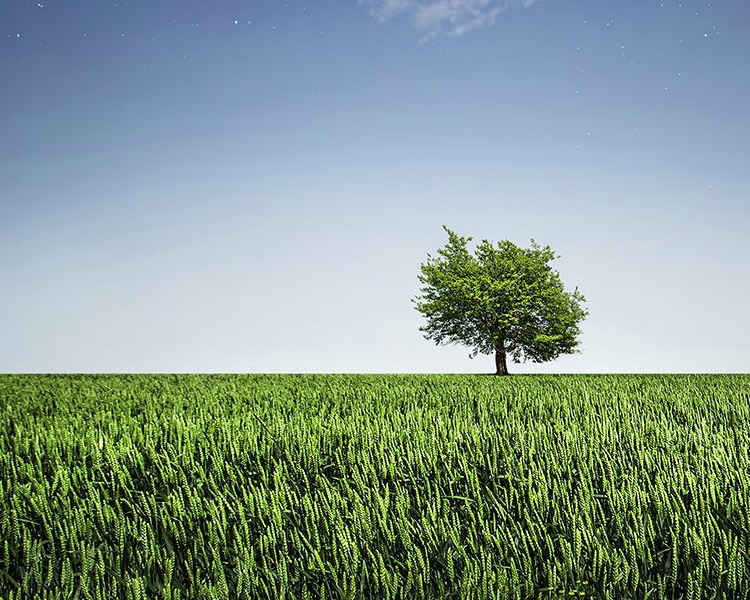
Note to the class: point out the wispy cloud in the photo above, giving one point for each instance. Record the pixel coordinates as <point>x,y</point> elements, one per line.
<point>443,17</point>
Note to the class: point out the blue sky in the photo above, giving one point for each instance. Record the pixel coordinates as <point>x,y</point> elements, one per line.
<point>252,186</point>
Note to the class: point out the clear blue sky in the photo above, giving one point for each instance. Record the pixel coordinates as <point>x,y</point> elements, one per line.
<point>251,186</point>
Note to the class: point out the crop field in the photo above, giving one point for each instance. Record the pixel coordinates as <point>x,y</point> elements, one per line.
<point>374,486</point>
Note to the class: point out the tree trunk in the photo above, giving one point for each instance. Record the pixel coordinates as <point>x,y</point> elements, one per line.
<point>501,366</point>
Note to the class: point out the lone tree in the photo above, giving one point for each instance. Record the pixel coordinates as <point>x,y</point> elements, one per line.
<point>502,299</point>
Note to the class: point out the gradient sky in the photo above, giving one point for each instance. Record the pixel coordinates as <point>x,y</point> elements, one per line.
<point>252,186</point>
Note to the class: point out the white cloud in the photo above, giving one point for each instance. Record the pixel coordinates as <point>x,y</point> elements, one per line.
<point>449,17</point>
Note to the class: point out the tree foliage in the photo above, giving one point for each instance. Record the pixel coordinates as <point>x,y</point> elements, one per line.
<point>501,299</point>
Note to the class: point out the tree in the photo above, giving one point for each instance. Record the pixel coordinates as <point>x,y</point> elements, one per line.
<point>502,299</point>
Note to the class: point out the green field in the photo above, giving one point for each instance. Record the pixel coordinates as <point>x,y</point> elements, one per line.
<point>375,486</point>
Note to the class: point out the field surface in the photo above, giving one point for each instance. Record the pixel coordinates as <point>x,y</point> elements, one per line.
<point>374,486</point>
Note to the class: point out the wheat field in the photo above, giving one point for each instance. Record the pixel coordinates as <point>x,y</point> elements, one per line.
<point>374,486</point>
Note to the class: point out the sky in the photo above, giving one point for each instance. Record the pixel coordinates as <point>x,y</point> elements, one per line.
<point>251,186</point>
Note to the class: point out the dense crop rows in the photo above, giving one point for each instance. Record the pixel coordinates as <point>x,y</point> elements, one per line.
<point>374,487</point>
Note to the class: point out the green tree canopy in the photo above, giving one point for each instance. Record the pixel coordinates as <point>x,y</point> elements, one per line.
<point>502,299</point>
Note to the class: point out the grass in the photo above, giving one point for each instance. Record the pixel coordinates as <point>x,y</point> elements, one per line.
<point>374,486</point>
